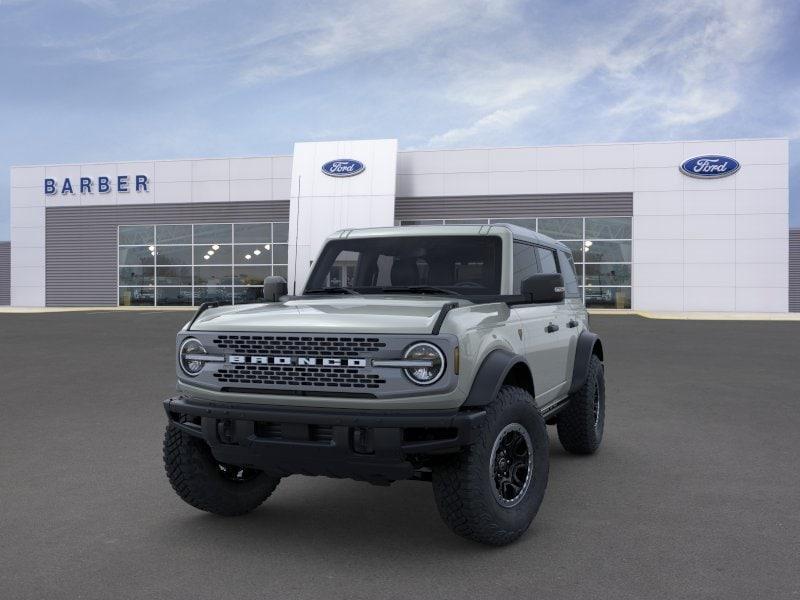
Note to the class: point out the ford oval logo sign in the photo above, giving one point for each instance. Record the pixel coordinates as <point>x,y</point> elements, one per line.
<point>710,166</point>
<point>343,167</point>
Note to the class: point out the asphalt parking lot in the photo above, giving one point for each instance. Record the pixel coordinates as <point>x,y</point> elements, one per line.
<point>694,494</point>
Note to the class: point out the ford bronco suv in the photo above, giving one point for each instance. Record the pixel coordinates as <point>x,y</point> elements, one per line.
<point>434,353</point>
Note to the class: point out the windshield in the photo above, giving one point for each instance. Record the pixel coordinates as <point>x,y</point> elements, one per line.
<point>468,265</point>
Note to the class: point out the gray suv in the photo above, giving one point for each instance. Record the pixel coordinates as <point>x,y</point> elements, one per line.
<point>433,353</point>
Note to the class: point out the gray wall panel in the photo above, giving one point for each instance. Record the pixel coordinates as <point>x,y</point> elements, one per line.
<point>551,205</point>
<point>5,273</point>
<point>82,241</point>
<point>794,270</point>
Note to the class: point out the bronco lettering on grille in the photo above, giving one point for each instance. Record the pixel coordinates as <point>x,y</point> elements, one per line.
<point>302,361</point>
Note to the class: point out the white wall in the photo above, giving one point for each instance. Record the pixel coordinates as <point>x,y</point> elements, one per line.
<point>698,244</point>
<point>321,204</point>
<point>170,181</point>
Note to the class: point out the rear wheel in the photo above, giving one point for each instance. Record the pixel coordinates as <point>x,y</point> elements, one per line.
<point>491,491</point>
<point>580,424</point>
<point>200,480</point>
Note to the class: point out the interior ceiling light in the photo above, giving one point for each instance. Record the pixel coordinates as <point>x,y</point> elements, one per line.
<point>211,253</point>
<point>266,246</point>
<point>206,257</point>
<point>151,248</point>
<point>256,251</point>
<point>215,247</point>
<point>152,253</point>
<point>587,243</point>
<point>247,257</point>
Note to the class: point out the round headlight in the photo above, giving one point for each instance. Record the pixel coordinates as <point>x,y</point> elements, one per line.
<point>429,353</point>
<point>187,356</point>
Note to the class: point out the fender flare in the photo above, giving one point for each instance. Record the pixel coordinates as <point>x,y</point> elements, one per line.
<point>491,375</point>
<point>588,343</point>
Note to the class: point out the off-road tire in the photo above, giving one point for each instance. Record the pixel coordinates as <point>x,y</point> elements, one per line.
<point>464,485</point>
<point>580,429</point>
<point>198,479</point>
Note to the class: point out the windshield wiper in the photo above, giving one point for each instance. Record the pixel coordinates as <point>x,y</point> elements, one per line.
<point>421,289</point>
<point>332,290</point>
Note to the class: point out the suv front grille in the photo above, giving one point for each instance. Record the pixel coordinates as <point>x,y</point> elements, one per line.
<point>299,345</point>
<point>275,375</point>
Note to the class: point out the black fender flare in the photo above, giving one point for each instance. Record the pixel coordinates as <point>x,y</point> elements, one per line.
<point>588,343</point>
<point>491,375</point>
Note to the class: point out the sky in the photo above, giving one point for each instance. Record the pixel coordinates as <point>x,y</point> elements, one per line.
<point>101,80</point>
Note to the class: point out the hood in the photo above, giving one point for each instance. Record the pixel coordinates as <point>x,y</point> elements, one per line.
<point>350,314</point>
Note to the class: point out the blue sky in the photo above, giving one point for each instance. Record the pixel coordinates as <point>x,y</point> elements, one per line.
<point>104,80</point>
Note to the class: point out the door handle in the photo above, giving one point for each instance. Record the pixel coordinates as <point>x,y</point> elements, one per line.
<point>572,323</point>
<point>551,328</point>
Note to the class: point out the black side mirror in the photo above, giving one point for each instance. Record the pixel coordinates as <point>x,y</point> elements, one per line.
<point>274,287</point>
<point>544,288</point>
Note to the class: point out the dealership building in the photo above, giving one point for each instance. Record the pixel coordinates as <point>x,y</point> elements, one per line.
<point>665,226</point>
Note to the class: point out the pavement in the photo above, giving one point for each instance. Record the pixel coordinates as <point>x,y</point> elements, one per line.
<point>695,492</point>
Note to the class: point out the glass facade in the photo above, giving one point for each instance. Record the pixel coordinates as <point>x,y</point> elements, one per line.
<point>188,264</point>
<point>601,248</point>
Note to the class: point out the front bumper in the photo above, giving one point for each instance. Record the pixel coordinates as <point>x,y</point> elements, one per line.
<point>369,445</point>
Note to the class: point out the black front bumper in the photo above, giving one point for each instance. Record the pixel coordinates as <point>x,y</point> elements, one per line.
<point>373,446</point>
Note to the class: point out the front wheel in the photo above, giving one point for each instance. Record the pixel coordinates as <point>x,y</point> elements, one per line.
<point>491,491</point>
<point>200,480</point>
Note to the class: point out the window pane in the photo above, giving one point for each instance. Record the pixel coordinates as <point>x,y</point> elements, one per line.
<point>423,222</point>
<point>136,255</point>
<point>248,295</point>
<point>136,296</point>
<point>257,233</point>
<point>250,275</point>
<point>527,223</point>
<point>579,273</point>
<point>547,259</point>
<point>280,232</point>
<point>281,272</point>
<point>135,234</point>
<point>212,294</point>
<point>280,254</point>
<point>577,250</point>
<point>466,221</point>
<point>136,276</point>
<point>174,296</point>
<point>608,251</point>
<point>568,271</point>
<point>252,254</point>
<point>220,256</point>
<point>174,255</point>
<point>607,297</point>
<point>219,275</point>
<point>608,228</point>
<point>174,234</point>
<point>174,276</point>
<point>562,229</point>
<point>611,274</point>
<point>525,264</point>
<point>213,233</point>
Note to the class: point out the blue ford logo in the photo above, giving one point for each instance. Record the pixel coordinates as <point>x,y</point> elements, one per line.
<point>343,167</point>
<point>710,166</point>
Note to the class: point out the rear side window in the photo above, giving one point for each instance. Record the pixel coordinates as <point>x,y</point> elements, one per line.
<point>547,259</point>
<point>568,271</point>
<point>525,264</point>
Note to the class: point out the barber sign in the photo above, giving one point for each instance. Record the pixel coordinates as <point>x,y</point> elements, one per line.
<point>710,166</point>
<point>343,167</point>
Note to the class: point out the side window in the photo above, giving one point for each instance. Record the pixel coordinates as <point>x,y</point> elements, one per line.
<point>525,264</point>
<point>570,280</point>
<point>547,258</point>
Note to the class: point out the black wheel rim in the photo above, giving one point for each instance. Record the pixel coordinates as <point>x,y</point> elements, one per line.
<point>596,405</point>
<point>234,473</point>
<point>511,465</point>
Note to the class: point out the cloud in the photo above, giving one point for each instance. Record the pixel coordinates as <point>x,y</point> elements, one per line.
<point>497,121</point>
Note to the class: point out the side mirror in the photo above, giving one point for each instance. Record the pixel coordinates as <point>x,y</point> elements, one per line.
<point>544,288</point>
<point>274,287</point>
